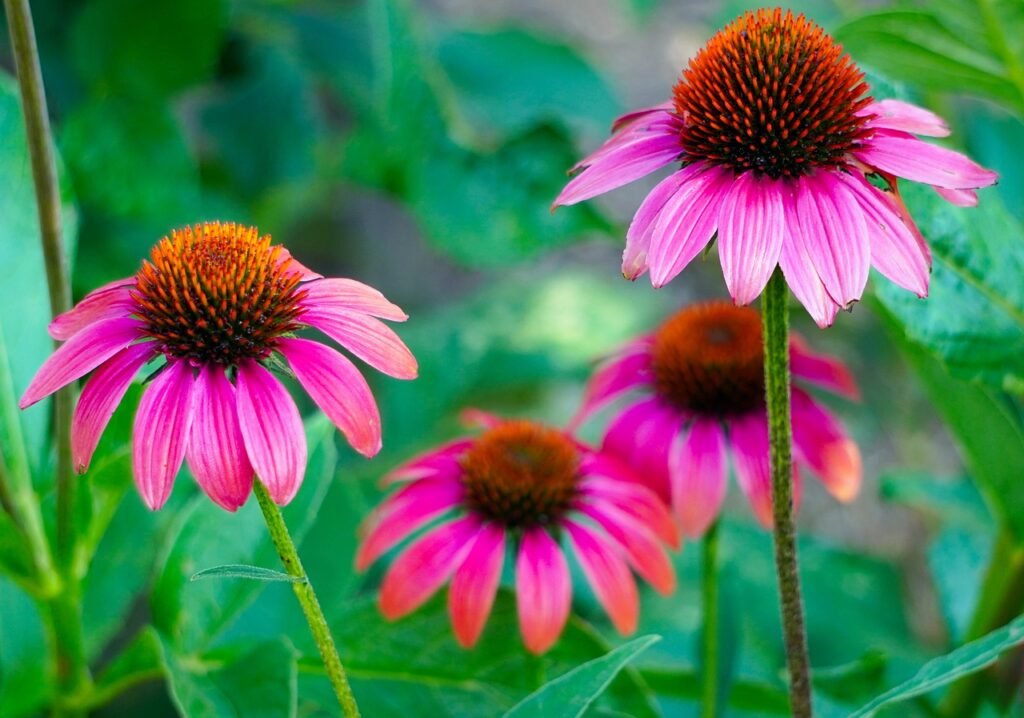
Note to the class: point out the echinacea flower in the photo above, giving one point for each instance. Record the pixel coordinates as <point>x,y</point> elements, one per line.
<point>698,386</point>
<point>527,488</point>
<point>788,159</point>
<point>218,303</point>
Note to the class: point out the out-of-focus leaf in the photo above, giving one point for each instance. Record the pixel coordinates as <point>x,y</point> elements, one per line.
<point>989,131</point>
<point>244,572</point>
<point>25,681</point>
<point>147,49</point>
<point>684,685</point>
<point>853,681</point>
<point>944,670</point>
<point>956,500</point>
<point>572,693</point>
<point>957,558</point>
<point>140,660</point>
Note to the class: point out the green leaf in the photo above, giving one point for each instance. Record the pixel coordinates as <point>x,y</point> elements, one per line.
<point>957,559</point>
<point>244,571</point>
<point>953,500</point>
<point>25,678</point>
<point>941,671</point>
<point>571,694</point>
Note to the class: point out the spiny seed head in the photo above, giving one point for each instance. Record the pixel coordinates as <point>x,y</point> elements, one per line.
<point>218,293</point>
<point>521,474</point>
<point>772,93</point>
<point>708,358</point>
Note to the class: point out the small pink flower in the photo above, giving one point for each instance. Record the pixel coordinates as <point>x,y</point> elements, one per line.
<point>526,487</point>
<point>701,383</point>
<point>215,302</point>
<point>779,142</point>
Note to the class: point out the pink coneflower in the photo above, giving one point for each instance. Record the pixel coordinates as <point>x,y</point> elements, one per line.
<point>786,156</point>
<point>701,383</point>
<point>531,488</point>
<point>217,303</point>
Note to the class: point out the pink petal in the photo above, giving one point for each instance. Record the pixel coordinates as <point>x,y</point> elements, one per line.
<point>629,118</point>
<point>798,269</point>
<point>630,369</point>
<point>899,115</point>
<point>607,479</point>
<point>608,574</point>
<point>958,197</point>
<point>821,369</point>
<point>338,388</point>
<point>425,566</point>
<point>641,547</point>
<point>409,509</point>
<point>162,425</point>
<point>638,236</point>
<point>642,437</point>
<point>543,590</point>
<point>821,441</point>
<point>919,161</point>
<point>687,222</point>
<point>699,474</point>
<point>479,419</point>
<point>79,355</point>
<point>750,229</point>
<point>272,431</point>
<point>749,438</point>
<point>369,339</point>
<point>100,397</point>
<point>475,584</point>
<point>110,301</point>
<point>350,295</point>
<point>306,274</point>
<point>216,451</point>
<point>634,134</point>
<point>436,463</point>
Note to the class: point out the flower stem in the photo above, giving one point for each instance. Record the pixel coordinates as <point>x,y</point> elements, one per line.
<point>308,600</point>
<point>73,679</point>
<point>775,316</point>
<point>709,637</point>
<point>44,176</point>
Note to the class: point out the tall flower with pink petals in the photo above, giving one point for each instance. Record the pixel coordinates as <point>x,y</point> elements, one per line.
<point>216,305</point>
<point>788,160</point>
<point>698,397</point>
<point>529,489</point>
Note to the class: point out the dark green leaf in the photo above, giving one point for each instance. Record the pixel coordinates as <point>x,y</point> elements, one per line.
<point>246,572</point>
<point>25,679</point>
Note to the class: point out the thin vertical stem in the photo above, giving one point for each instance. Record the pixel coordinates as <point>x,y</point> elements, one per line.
<point>709,637</point>
<point>775,316</point>
<point>308,600</point>
<point>44,176</point>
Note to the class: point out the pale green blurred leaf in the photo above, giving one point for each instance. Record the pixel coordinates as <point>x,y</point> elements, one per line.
<point>25,681</point>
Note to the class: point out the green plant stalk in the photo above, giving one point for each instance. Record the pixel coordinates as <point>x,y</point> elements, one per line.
<point>308,601</point>
<point>73,679</point>
<point>775,318</point>
<point>709,635</point>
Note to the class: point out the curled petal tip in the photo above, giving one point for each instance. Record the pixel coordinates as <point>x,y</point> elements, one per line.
<point>844,466</point>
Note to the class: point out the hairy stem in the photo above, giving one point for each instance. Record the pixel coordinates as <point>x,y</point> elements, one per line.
<point>709,636</point>
<point>308,600</point>
<point>775,316</point>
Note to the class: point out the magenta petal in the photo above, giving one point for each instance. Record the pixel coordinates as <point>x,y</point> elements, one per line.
<point>641,228</point>
<point>630,369</point>
<point>958,197</point>
<point>369,339</point>
<point>216,451</point>
<point>305,273</point>
<point>475,585</point>
<point>750,232</point>
<point>798,269</point>
<point>638,542</point>
<point>436,463</point>
<point>100,397</point>
<point>608,575</point>
<point>821,442</point>
<point>608,480</point>
<point>338,389</point>
<point>623,121</point>
<point>919,161</point>
<point>350,295</point>
<point>642,437</point>
<point>749,438</point>
<point>699,474</point>
<point>821,369</point>
<point>899,115</point>
<point>110,301</point>
<point>543,590</point>
<point>272,431</point>
<point>162,425</point>
<point>423,568</point>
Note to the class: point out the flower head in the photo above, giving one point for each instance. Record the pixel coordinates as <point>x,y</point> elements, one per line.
<point>214,303</point>
<point>789,160</point>
<point>700,385</point>
<point>523,486</point>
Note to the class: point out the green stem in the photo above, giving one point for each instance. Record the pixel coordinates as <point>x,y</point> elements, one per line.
<point>709,637</point>
<point>73,680</point>
<point>308,600</point>
<point>44,176</point>
<point>775,316</point>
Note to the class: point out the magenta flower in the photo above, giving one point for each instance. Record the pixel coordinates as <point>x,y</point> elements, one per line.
<point>217,302</point>
<point>786,157</point>
<point>528,487</point>
<point>700,378</point>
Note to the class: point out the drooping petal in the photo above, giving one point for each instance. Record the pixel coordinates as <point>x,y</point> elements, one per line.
<point>607,479</point>
<point>305,273</point>
<point>958,197</point>
<point>622,121</point>
<point>338,388</point>
<point>110,301</point>
<point>899,115</point>
<point>642,437</point>
<point>698,476</point>
<point>543,590</point>
<point>272,431</point>
<point>475,584</point>
<point>630,369</point>
<point>162,424</point>
<point>633,134</point>
<point>216,451</point>
<point>370,339</point>
<point>608,575</point>
<point>641,228</point>
<point>408,510</point>
<point>440,462</point>
<point>821,369</point>
<point>798,269</point>
<point>425,566</point>
<point>748,436</point>
<point>821,441</point>
<point>352,296</point>
<point>639,544</point>
<point>750,234</point>
<point>919,161</point>
<point>100,397</point>
<point>79,355</point>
